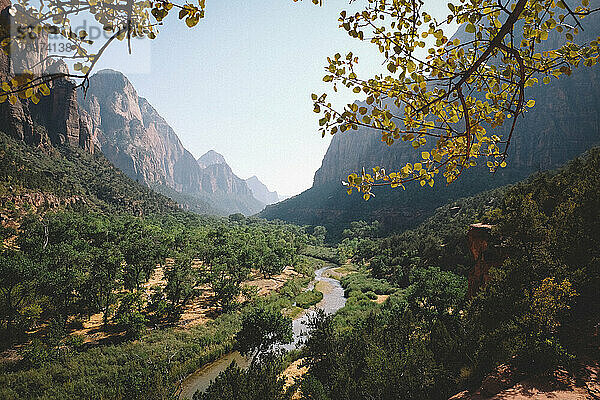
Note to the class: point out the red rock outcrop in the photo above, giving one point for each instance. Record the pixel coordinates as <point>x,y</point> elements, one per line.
<point>479,236</point>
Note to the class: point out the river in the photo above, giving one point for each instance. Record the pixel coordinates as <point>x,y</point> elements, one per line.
<point>333,300</point>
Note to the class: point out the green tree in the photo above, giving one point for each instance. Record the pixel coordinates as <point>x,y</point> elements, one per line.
<point>142,250</point>
<point>182,284</point>
<point>129,316</point>
<point>105,274</point>
<point>18,278</point>
<point>445,95</point>
<point>362,230</point>
<point>226,263</point>
<point>226,282</point>
<point>319,234</point>
<point>277,253</point>
<point>263,328</point>
<point>62,253</point>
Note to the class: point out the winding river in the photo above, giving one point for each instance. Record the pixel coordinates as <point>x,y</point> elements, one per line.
<point>333,300</point>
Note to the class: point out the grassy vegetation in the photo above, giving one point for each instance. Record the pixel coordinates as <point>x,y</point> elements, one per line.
<point>292,296</point>
<point>308,299</point>
<point>361,289</point>
<point>293,312</point>
<point>346,269</point>
<point>329,254</point>
<point>149,368</point>
<point>363,282</point>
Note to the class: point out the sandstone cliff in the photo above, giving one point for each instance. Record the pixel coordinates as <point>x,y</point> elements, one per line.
<point>211,157</point>
<point>56,119</point>
<point>133,136</point>
<point>261,191</point>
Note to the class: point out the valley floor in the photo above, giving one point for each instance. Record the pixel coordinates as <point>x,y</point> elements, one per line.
<point>198,312</point>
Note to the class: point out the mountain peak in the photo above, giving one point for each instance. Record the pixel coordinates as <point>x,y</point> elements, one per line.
<point>109,71</point>
<point>260,191</point>
<point>211,157</point>
<point>116,78</point>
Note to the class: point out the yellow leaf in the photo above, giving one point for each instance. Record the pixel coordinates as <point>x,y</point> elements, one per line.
<point>425,155</point>
<point>531,103</point>
<point>191,21</point>
<point>44,89</point>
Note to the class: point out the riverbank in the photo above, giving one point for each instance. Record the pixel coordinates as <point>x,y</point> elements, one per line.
<point>333,300</point>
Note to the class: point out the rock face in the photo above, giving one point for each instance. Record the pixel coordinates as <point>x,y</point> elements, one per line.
<point>479,237</point>
<point>218,176</point>
<point>563,124</point>
<point>134,137</point>
<point>56,119</point>
<point>211,157</point>
<point>261,191</point>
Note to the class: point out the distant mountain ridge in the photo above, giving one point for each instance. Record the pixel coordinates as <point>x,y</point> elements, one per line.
<point>133,136</point>
<point>261,191</point>
<point>564,123</point>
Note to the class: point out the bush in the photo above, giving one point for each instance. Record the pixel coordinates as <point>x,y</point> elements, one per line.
<point>364,283</point>
<point>371,295</point>
<point>129,318</point>
<point>309,298</point>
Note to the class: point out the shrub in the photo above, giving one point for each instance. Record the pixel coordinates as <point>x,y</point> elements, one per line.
<point>309,298</point>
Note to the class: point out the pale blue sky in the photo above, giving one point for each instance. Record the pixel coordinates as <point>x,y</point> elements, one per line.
<point>240,82</point>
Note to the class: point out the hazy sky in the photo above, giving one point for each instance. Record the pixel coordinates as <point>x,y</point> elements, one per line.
<point>240,82</point>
